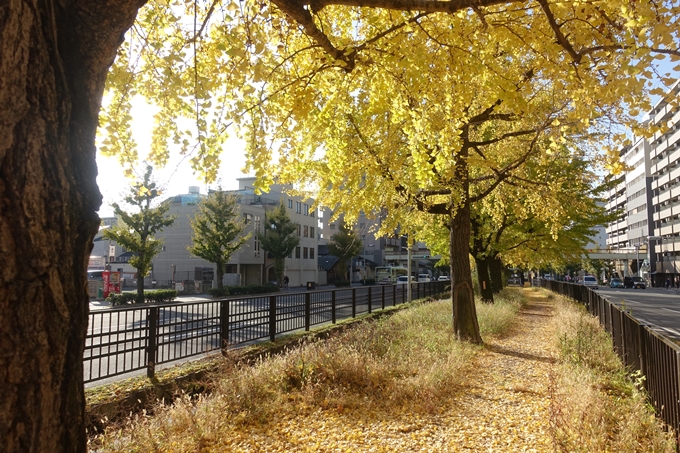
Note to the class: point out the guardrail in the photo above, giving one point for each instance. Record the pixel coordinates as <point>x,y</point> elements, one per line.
<point>132,338</point>
<point>638,346</point>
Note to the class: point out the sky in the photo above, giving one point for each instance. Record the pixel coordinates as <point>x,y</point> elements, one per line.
<point>176,177</point>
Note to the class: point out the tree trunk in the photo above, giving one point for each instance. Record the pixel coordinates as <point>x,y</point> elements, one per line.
<point>496,273</point>
<point>279,269</point>
<point>465,325</point>
<point>140,281</point>
<point>219,271</point>
<point>54,57</point>
<point>483,279</point>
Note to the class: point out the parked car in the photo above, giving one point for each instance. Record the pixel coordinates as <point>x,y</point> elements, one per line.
<point>444,278</point>
<point>514,280</point>
<point>590,281</point>
<point>634,282</point>
<point>423,278</point>
<point>403,279</point>
<point>616,283</point>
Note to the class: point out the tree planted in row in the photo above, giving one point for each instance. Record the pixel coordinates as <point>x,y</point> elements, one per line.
<point>136,233</point>
<point>218,231</point>
<point>279,238</point>
<point>344,244</point>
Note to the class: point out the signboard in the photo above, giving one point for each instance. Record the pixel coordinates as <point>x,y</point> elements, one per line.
<point>97,263</point>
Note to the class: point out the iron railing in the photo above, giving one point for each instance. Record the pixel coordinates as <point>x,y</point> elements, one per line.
<point>122,340</point>
<point>639,347</point>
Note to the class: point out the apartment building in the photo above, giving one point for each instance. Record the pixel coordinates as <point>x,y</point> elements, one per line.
<point>249,265</point>
<point>665,170</point>
<point>648,199</point>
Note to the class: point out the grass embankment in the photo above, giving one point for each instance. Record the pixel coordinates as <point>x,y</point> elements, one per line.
<point>395,384</point>
<point>596,404</point>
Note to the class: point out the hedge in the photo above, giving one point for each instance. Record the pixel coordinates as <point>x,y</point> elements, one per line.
<point>158,296</point>
<point>243,290</point>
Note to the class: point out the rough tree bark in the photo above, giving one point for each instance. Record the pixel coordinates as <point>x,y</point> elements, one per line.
<point>485,288</point>
<point>465,324</point>
<point>496,273</point>
<point>54,59</point>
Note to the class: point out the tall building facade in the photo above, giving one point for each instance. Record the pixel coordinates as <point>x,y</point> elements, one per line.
<point>250,265</point>
<point>648,199</point>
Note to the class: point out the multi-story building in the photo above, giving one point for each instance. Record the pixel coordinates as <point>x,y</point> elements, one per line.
<point>648,199</point>
<point>250,264</point>
<point>665,170</point>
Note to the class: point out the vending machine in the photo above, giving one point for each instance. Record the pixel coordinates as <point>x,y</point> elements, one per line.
<point>111,282</point>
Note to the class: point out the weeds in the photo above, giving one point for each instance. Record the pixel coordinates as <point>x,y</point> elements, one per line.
<point>596,405</point>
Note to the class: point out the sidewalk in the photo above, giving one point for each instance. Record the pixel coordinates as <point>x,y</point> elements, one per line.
<point>507,407</point>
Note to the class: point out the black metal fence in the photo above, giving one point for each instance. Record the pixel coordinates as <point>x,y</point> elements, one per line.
<point>126,339</point>
<point>639,346</point>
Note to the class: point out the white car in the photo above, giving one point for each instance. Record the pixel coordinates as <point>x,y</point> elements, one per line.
<point>423,278</point>
<point>402,280</point>
<point>443,278</point>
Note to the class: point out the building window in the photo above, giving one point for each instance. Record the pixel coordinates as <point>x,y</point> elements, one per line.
<point>248,218</point>
<point>305,210</point>
<point>311,232</point>
<point>298,207</point>
<point>332,226</point>
<point>256,227</point>
<point>299,230</point>
<point>305,231</point>
<point>304,253</point>
<point>297,252</point>
<point>311,213</point>
<point>311,253</point>
<point>256,247</point>
<point>290,203</point>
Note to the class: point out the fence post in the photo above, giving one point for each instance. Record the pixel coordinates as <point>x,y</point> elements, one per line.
<point>370,303</point>
<point>224,325</point>
<point>354,302</point>
<point>308,310</point>
<point>382,296</point>
<point>152,345</point>
<point>333,305</point>
<point>272,318</point>
<point>642,351</point>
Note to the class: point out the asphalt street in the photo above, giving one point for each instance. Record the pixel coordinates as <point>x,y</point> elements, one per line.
<point>657,307</point>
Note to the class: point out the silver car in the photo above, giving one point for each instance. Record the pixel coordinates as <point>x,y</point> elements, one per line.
<point>590,281</point>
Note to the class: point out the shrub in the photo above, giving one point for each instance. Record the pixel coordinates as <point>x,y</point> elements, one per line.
<point>122,298</point>
<point>251,289</point>
<point>160,296</point>
<point>368,281</point>
<point>339,283</point>
<point>219,292</point>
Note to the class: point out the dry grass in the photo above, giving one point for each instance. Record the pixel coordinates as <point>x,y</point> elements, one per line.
<point>595,404</point>
<point>403,384</point>
<point>409,361</point>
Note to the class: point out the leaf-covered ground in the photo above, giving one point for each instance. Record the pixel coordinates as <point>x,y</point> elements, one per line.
<point>505,408</point>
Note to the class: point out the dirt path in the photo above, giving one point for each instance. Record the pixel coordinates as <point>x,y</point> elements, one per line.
<point>506,410</point>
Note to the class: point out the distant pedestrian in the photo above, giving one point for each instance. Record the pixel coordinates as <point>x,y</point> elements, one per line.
<point>285,281</point>
<point>668,283</point>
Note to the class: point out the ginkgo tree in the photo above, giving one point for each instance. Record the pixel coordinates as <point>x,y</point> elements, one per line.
<point>217,231</point>
<point>138,227</point>
<point>267,71</point>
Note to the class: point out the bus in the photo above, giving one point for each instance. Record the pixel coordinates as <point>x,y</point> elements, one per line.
<point>387,275</point>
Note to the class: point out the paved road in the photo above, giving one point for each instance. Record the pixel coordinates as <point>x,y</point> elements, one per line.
<point>654,306</point>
